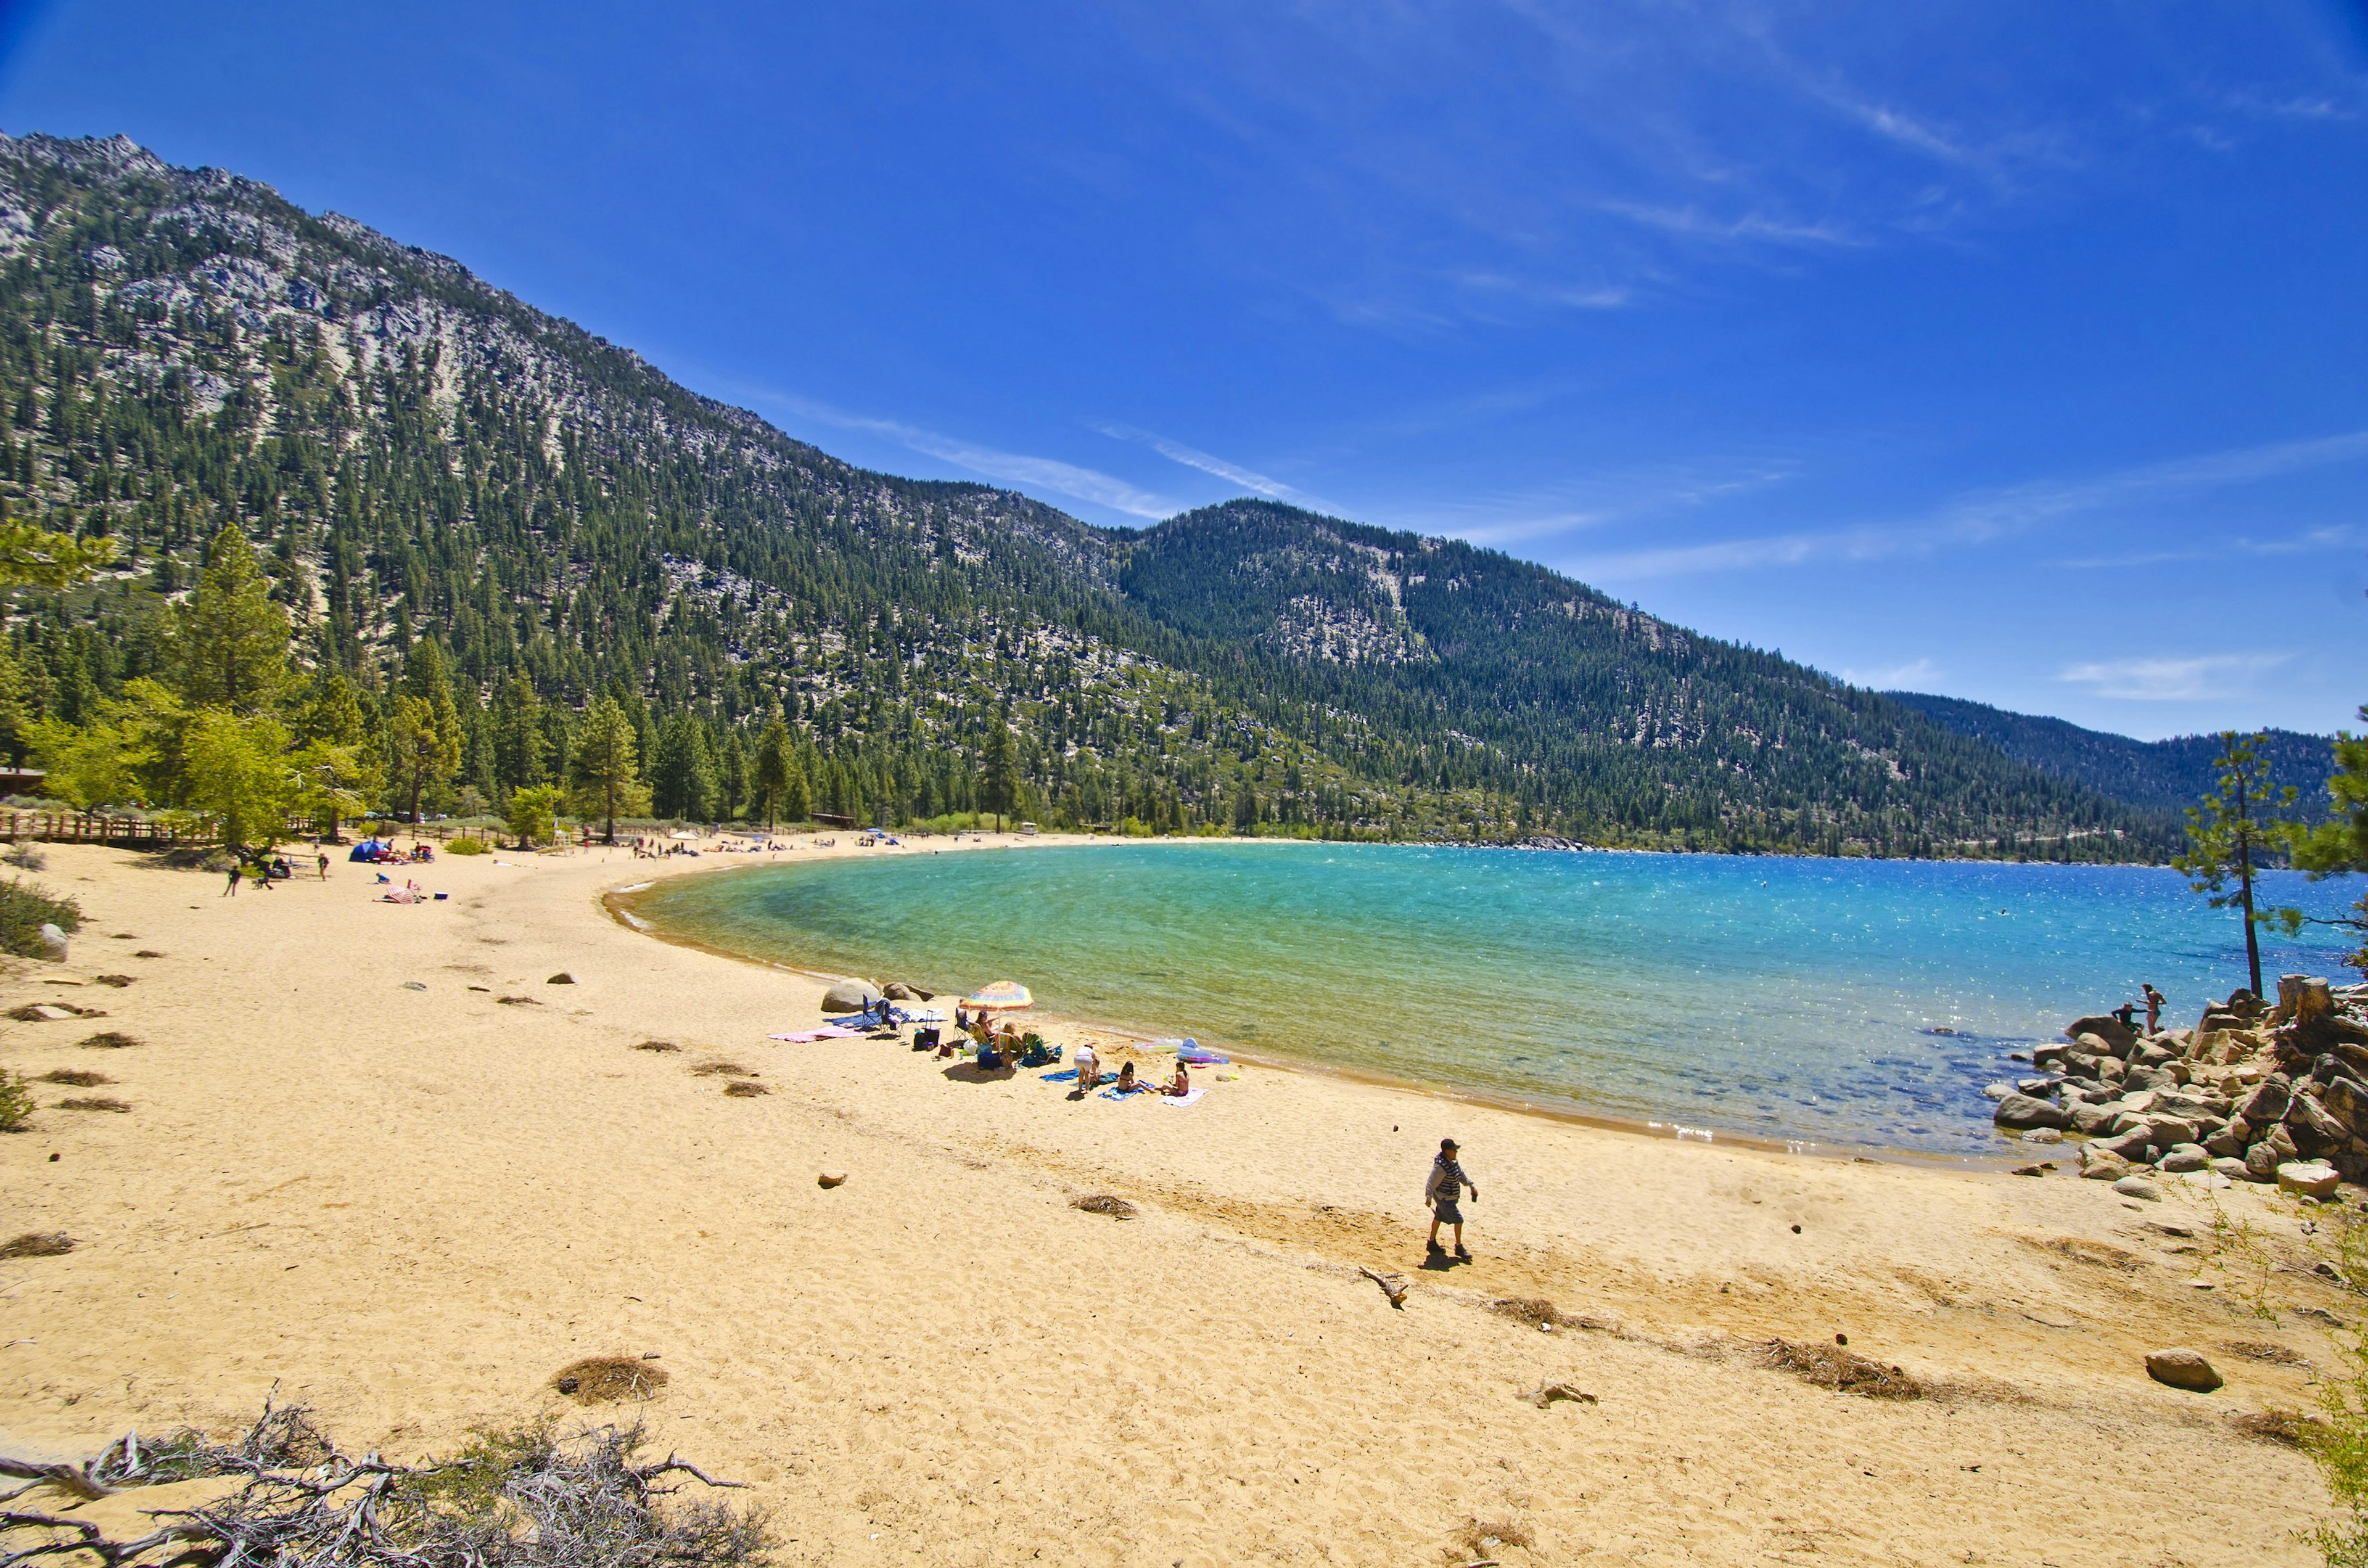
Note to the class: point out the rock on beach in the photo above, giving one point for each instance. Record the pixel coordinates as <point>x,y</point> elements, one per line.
<point>2182,1369</point>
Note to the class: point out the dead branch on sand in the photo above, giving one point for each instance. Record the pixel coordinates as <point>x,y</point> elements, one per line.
<point>519,1499</point>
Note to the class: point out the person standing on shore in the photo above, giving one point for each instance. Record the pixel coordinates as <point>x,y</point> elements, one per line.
<point>2153,1006</point>
<point>1444,1192</point>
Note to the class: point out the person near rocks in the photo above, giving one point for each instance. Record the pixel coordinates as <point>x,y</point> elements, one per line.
<point>2154,1000</point>
<point>1444,1192</point>
<point>2127,1014</point>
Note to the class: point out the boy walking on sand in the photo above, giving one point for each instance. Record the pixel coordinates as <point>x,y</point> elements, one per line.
<point>1444,1192</point>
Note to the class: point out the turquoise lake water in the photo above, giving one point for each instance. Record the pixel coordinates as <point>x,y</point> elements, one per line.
<point>1784,999</point>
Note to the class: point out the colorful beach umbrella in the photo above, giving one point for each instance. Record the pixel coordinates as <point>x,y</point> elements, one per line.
<point>1002,994</point>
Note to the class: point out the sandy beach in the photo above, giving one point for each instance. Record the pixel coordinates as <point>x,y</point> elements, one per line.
<point>411,1207</point>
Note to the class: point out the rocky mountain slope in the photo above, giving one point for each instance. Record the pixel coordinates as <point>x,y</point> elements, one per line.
<point>423,456</point>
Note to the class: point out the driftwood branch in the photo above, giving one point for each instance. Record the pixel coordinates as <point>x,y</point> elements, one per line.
<point>524,1499</point>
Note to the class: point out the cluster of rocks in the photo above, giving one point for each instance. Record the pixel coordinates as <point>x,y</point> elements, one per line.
<point>2253,1092</point>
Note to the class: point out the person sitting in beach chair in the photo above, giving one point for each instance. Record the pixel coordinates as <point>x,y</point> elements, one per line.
<point>1035,1052</point>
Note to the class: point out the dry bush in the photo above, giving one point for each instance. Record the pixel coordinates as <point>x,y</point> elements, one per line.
<point>15,1103</point>
<point>518,1001</point>
<point>1103,1203</point>
<point>743,1089</point>
<point>597,1380</point>
<point>657,1045</point>
<point>1535,1311</point>
<point>2262,1350</point>
<point>38,1243</point>
<point>76,1077</point>
<point>118,980</point>
<point>110,1039</point>
<point>147,953</point>
<point>93,1103</point>
<point>1832,1367</point>
<point>721,1070</point>
<point>2291,1427</point>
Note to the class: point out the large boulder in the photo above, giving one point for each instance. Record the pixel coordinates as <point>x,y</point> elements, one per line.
<point>2090,1121</point>
<point>2182,1370</point>
<point>2112,1030</point>
<point>850,997</point>
<point>2149,1078</point>
<point>2170,1131</point>
<point>2307,1178</point>
<point>2267,1104</point>
<point>2301,998</point>
<point>2139,1187</point>
<point>2130,1146</point>
<point>2227,1144</point>
<point>2049,1055</point>
<point>2184,1158</point>
<point>2315,1133</point>
<point>2101,1164</point>
<point>2347,1102</point>
<point>2021,1113</point>
<point>2260,1163</point>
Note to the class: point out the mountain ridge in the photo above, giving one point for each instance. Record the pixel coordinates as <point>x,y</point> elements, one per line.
<point>421,455</point>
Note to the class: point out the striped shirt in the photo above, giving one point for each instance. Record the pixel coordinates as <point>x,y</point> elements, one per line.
<point>1448,1180</point>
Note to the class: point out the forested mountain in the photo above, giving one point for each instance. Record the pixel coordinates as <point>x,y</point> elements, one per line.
<point>2169,775</point>
<point>471,507</point>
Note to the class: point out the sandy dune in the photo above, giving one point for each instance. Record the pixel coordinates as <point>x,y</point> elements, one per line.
<point>411,1208</point>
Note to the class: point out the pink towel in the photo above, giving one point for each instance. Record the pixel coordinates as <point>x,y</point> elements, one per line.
<point>828,1032</point>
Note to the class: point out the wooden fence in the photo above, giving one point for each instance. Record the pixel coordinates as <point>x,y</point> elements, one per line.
<point>73,827</point>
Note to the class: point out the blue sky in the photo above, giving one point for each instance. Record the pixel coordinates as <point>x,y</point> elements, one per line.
<point>2015,351</point>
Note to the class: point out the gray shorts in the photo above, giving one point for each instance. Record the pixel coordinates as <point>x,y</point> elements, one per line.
<point>1447,1212</point>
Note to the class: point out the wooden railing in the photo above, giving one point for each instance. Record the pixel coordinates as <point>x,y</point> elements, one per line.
<point>73,827</point>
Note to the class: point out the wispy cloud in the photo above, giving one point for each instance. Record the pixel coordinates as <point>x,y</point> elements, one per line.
<point>1981,518</point>
<point>1207,463</point>
<point>1529,290</point>
<point>1689,221</point>
<point>2312,542</point>
<point>1067,479</point>
<point>1915,673</point>
<point>2173,680</point>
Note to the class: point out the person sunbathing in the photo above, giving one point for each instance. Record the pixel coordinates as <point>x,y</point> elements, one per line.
<point>1180,1084</point>
<point>1127,1082</point>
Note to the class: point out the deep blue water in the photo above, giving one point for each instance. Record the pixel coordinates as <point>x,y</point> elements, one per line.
<point>1788,999</point>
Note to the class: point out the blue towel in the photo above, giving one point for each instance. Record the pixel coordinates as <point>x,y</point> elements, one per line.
<point>1124,1094</point>
<point>1066,1075</point>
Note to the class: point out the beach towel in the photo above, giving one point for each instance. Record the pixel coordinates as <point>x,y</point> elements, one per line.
<point>1066,1075</point>
<point>1115,1093</point>
<point>1180,1101</point>
<point>806,1037</point>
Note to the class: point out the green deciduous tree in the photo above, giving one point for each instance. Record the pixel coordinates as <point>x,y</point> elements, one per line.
<point>2227,833</point>
<point>534,812</point>
<point>240,775</point>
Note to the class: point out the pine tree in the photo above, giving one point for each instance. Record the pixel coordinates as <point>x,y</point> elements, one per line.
<point>603,762</point>
<point>231,640</point>
<point>2227,834</point>
<point>1001,776</point>
<point>771,780</point>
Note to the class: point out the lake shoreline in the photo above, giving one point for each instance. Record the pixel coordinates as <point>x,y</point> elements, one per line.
<point>405,1163</point>
<point>1066,1029</point>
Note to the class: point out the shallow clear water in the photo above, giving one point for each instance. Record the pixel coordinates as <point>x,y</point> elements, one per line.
<point>1782,998</point>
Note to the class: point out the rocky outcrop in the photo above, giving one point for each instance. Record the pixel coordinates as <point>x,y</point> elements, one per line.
<point>2251,1093</point>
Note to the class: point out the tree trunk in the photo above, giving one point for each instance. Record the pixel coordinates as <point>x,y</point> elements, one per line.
<point>2252,933</point>
<point>418,783</point>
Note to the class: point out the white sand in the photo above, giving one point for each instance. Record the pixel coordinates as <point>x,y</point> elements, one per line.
<point>411,1208</point>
